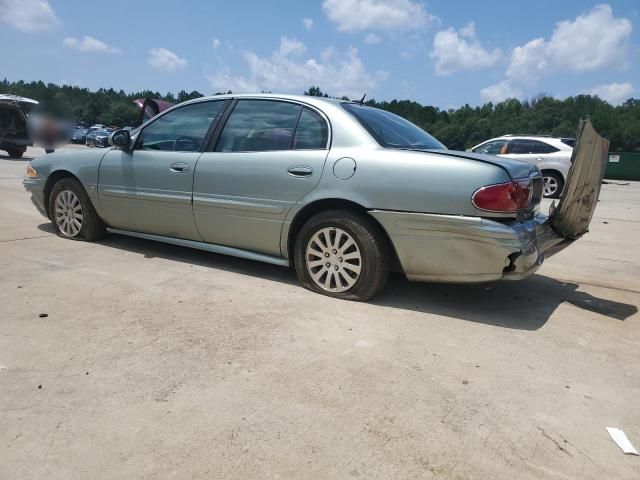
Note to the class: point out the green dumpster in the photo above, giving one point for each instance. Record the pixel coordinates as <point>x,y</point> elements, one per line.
<point>623,166</point>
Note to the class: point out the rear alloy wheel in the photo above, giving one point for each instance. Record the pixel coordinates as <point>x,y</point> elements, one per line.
<point>72,212</point>
<point>342,254</point>
<point>553,184</point>
<point>333,260</point>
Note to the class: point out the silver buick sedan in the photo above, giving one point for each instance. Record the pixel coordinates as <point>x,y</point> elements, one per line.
<point>339,190</point>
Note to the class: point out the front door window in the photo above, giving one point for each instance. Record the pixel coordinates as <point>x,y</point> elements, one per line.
<point>181,130</point>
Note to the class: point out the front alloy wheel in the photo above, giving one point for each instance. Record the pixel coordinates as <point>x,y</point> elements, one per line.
<point>68,213</point>
<point>72,212</point>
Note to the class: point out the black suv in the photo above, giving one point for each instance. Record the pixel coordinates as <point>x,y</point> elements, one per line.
<point>14,136</point>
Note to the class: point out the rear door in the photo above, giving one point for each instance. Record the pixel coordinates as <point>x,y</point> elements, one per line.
<point>532,151</point>
<point>573,213</point>
<point>269,154</point>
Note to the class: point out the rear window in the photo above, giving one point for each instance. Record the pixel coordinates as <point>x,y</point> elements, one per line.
<point>391,130</point>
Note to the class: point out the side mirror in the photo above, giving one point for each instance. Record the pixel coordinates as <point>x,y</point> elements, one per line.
<point>120,139</point>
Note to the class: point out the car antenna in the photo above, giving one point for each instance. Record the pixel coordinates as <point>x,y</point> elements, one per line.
<point>361,101</point>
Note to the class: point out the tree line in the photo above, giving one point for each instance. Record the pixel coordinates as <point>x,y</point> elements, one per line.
<point>457,128</point>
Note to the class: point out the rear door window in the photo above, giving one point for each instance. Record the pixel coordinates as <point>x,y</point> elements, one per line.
<point>312,131</point>
<point>259,126</point>
<point>532,146</point>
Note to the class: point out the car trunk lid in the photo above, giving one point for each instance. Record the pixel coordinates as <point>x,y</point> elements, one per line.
<point>150,107</point>
<point>23,101</point>
<point>515,168</point>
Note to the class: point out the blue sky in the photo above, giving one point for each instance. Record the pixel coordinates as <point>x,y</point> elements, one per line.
<point>444,53</point>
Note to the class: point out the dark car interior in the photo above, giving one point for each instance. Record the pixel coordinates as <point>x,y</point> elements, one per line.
<point>12,124</point>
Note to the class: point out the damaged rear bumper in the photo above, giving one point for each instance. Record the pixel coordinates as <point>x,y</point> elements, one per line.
<point>459,249</point>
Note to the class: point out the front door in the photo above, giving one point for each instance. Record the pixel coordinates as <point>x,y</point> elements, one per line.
<point>268,156</point>
<point>149,188</point>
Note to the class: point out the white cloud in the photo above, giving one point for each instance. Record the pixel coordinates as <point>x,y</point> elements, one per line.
<point>499,92</point>
<point>461,50</point>
<point>308,23</point>
<point>372,39</point>
<point>358,15</point>
<point>528,61</point>
<point>216,44</point>
<point>163,59</point>
<point>288,69</point>
<point>594,40</point>
<point>89,44</point>
<point>28,15</point>
<point>614,93</point>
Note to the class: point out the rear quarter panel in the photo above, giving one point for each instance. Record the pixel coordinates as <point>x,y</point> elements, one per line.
<point>407,181</point>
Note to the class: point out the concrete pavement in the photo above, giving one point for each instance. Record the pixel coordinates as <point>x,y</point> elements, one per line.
<point>157,361</point>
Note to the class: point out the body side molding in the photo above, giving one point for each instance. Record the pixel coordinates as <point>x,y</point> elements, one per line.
<point>208,247</point>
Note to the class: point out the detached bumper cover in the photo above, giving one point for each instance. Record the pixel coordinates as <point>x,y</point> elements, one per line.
<point>446,248</point>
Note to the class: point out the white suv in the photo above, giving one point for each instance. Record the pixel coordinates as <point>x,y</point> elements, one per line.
<point>552,155</point>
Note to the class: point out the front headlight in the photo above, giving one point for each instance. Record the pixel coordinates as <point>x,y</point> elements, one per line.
<point>31,172</point>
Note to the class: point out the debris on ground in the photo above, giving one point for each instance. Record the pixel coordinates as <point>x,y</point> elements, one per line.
<point>605,182</point>
<point>622,441</point>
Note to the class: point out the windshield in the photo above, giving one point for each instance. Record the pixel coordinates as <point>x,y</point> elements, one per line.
<point>391,130</point>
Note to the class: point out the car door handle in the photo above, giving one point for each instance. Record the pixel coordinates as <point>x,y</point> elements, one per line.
<point>179,167</point>
<point>298,171</point>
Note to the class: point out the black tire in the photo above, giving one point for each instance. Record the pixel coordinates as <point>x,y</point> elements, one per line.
<point>49,150</point>
<point>92,227</point>
<point>15,153</point>
<point>373,248</point>
<point>559,182</point>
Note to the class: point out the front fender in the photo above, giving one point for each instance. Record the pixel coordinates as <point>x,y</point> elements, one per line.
<point>80,163</point>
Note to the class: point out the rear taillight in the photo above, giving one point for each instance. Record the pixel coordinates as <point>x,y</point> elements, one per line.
<point>504,197</point>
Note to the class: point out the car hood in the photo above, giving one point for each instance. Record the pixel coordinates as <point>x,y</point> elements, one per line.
<point>515,168</point>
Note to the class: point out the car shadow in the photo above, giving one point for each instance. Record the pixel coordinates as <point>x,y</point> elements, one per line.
<point>525,305</point>
<point>24,158</point>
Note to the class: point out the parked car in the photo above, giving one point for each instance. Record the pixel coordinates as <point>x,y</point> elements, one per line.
<point>339,190</point>
<point>551,155</point>
<point>101,138</point>
<point>90,137</point>
<point>97,137</point>
<point>79,135</point>
<point>14,132</point>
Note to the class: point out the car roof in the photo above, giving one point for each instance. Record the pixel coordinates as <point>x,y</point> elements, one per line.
<point>555,141</point>
<point>312,100</point>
